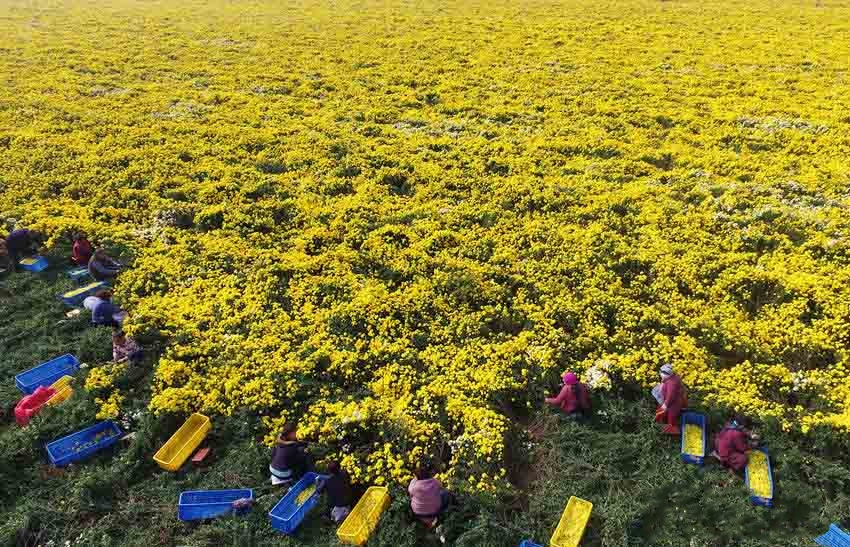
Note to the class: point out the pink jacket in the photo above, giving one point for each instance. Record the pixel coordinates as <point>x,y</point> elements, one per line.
<point>570,402</point>
<point>425,496</point>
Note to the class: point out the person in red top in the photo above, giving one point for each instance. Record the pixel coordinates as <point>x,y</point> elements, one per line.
<point>82,250</point>
<point>673,398</point>
<point>733,443</point>
<point>573,398</point>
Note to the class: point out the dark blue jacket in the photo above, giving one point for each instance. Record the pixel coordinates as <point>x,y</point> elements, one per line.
<point>103,312</point>
<point>19,240</point>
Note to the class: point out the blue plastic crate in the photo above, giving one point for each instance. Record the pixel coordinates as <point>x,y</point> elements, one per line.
<point>694,418</point>
<point>47,373</point>
<point>286,516</point>
<point>758,500</point>
<point>75,297</point>
<point>834,537</point>
<point>529,543</point>
<point>83,443</point>
<point>34,264</point>
<point>207,504</point>
<point>78,275</point>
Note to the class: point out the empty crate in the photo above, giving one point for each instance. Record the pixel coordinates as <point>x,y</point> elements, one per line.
<point>363,519</point>
<point>29,405</point>
<point>63,389</point>
<point>47,373</point>
<point>573,522</point>
<point>185,440</point>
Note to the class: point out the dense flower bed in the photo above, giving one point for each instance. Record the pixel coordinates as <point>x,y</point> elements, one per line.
<point>390,221</point>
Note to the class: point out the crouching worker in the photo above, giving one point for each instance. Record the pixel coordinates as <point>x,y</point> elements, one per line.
<point>733,444</point>
<point>103,311</point>
<point>102,267</point>
<point>428,498</point>
<point>81,250</point>
<point>573,398</point>
<point>289,457</point>
<point>339,493</point>
<point>22,243</point>
<point>672,397</point>
<point>125,349</point>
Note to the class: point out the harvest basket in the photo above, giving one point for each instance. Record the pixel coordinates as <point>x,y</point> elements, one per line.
<point>363,519</point>
<point>185,440</point>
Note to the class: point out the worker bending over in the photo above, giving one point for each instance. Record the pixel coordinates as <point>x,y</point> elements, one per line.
<point>428,498</point>
<point>733,444</point>
<point>573,398</point>
<point>81,249</point>
<point>289,457</point>
<point>102,267</point>
<point>672,397</point>
<point>339,493</point>
<point>22,243</point>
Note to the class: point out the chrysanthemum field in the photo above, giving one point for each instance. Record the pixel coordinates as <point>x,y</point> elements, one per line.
<point>399,222</point>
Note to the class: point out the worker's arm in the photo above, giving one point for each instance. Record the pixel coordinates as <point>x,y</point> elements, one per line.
<point>560,398</point>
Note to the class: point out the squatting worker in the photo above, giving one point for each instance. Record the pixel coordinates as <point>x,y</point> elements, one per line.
<point>104,312</point>
<point>573,398</point>
<point>339,492</point>
<point>428,498</point>
<point>102,267</point>
<point>673,397</point>
<point>733,444</point>
<point>125,349</point>
<point>81,250</point>
<point>22,243</point>
<point>289,458</point>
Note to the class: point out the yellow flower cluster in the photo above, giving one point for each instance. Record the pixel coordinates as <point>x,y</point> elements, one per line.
<point>398,233</point>
<point>110,407</point>
<point>100,381</point>
<point>104,376</point>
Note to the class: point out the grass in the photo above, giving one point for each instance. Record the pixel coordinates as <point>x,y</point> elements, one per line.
<point>643,495</point>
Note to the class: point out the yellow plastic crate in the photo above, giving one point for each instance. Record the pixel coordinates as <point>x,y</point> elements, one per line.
<point>573,522</point>
<point>62,382</point>
<point>363,519</point>
<point>63,390</point>
<point>185,440</point>
<point>693,440</point>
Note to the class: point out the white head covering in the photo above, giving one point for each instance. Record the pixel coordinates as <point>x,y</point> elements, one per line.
<point>666,369</point>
